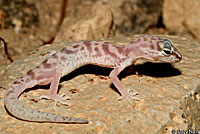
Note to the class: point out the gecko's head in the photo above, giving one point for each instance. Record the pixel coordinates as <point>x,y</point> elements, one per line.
<point>159,49</point>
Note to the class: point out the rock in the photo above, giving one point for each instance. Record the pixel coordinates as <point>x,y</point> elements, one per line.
<point>182,16</point>
<point>130,16</point>
<point>139,15</point>
<point>191,106</point>
<point>18,13</point>
<point>35,24</point>
<point>158,110</point>
<point>97,23</point>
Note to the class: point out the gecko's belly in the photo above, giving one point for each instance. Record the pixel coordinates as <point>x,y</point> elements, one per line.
<point>103,65</point>
<point>104,62</point>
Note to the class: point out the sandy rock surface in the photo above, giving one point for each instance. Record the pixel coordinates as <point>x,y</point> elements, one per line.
<point>163,89</point>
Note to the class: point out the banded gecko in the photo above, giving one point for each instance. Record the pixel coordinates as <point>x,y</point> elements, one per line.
<point>71,57</point>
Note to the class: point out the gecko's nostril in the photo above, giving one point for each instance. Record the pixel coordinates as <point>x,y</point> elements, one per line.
<point>178,57</point>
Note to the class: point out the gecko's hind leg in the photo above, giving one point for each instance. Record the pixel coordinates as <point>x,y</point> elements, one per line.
<point>53,91</point>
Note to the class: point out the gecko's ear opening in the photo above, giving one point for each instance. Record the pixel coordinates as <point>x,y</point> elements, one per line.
<point>149,56</point>
<point>146,53</point>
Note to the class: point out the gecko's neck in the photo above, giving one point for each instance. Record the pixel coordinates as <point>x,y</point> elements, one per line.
<point>134,50</point>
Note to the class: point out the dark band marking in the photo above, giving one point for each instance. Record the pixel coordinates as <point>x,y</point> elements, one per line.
<point>158,46</point>
<point>63,58</point>
<point>54,64</point>
<point>31,74</point>
<point>55,57</point>
<point>67,51</point>
<point>46,65</point>
<point>153,38</point>
<point>82,48</point>
<point>145,39</point>
<point>75,46</point>
<point>22,80</point>
<point>16,82</point>
<point>119,48</point>
<point>152,46</point>
<point>98,53</point>
<point>38,67</point>
<point>127,51</point>
<point>107,51</point>
<point>27,80</point>
<point>135,41</point>
<point>88,45</point>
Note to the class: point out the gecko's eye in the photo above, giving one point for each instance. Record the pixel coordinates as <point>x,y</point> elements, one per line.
<point>167,52</point>
<point>167,48</point>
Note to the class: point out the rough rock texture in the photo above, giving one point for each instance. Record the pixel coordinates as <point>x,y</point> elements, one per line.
<point>97,23</point>
<point>18,14</point>
<point>3,57</point>
<point>182,16</point>
<point>21,37</point>
<point>191,106</point>
<point>130,16</point>
<point>139,15</point>
<point>161,88</point>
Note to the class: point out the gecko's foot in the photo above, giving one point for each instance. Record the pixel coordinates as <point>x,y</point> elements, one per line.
<point>56,98</point>
<point>129,96</point>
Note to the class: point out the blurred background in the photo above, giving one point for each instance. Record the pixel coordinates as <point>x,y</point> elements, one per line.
<point>27,24</point>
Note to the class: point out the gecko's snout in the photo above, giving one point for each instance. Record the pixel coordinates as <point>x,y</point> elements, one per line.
<point>178,57</point>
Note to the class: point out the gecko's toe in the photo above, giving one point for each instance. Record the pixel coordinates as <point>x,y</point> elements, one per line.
<point>56,98</point>
<point>132,93</point>
<point>63,97</point>
<point>128,99</point>
<point>129,96</point>
<point>60,98</point>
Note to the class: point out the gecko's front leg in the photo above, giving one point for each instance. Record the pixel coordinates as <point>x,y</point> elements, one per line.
<point>115,80</point>
<point>54,89</point>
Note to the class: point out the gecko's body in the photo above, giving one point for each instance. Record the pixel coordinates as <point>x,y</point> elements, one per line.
<point>72,57</point>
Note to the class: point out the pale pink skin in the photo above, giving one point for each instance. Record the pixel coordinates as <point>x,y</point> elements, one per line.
<point>104,54</point>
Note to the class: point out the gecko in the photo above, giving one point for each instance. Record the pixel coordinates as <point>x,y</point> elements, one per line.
<point>71,57</point>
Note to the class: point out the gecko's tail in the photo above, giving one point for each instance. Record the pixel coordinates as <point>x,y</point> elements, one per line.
<point>15,108</point>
